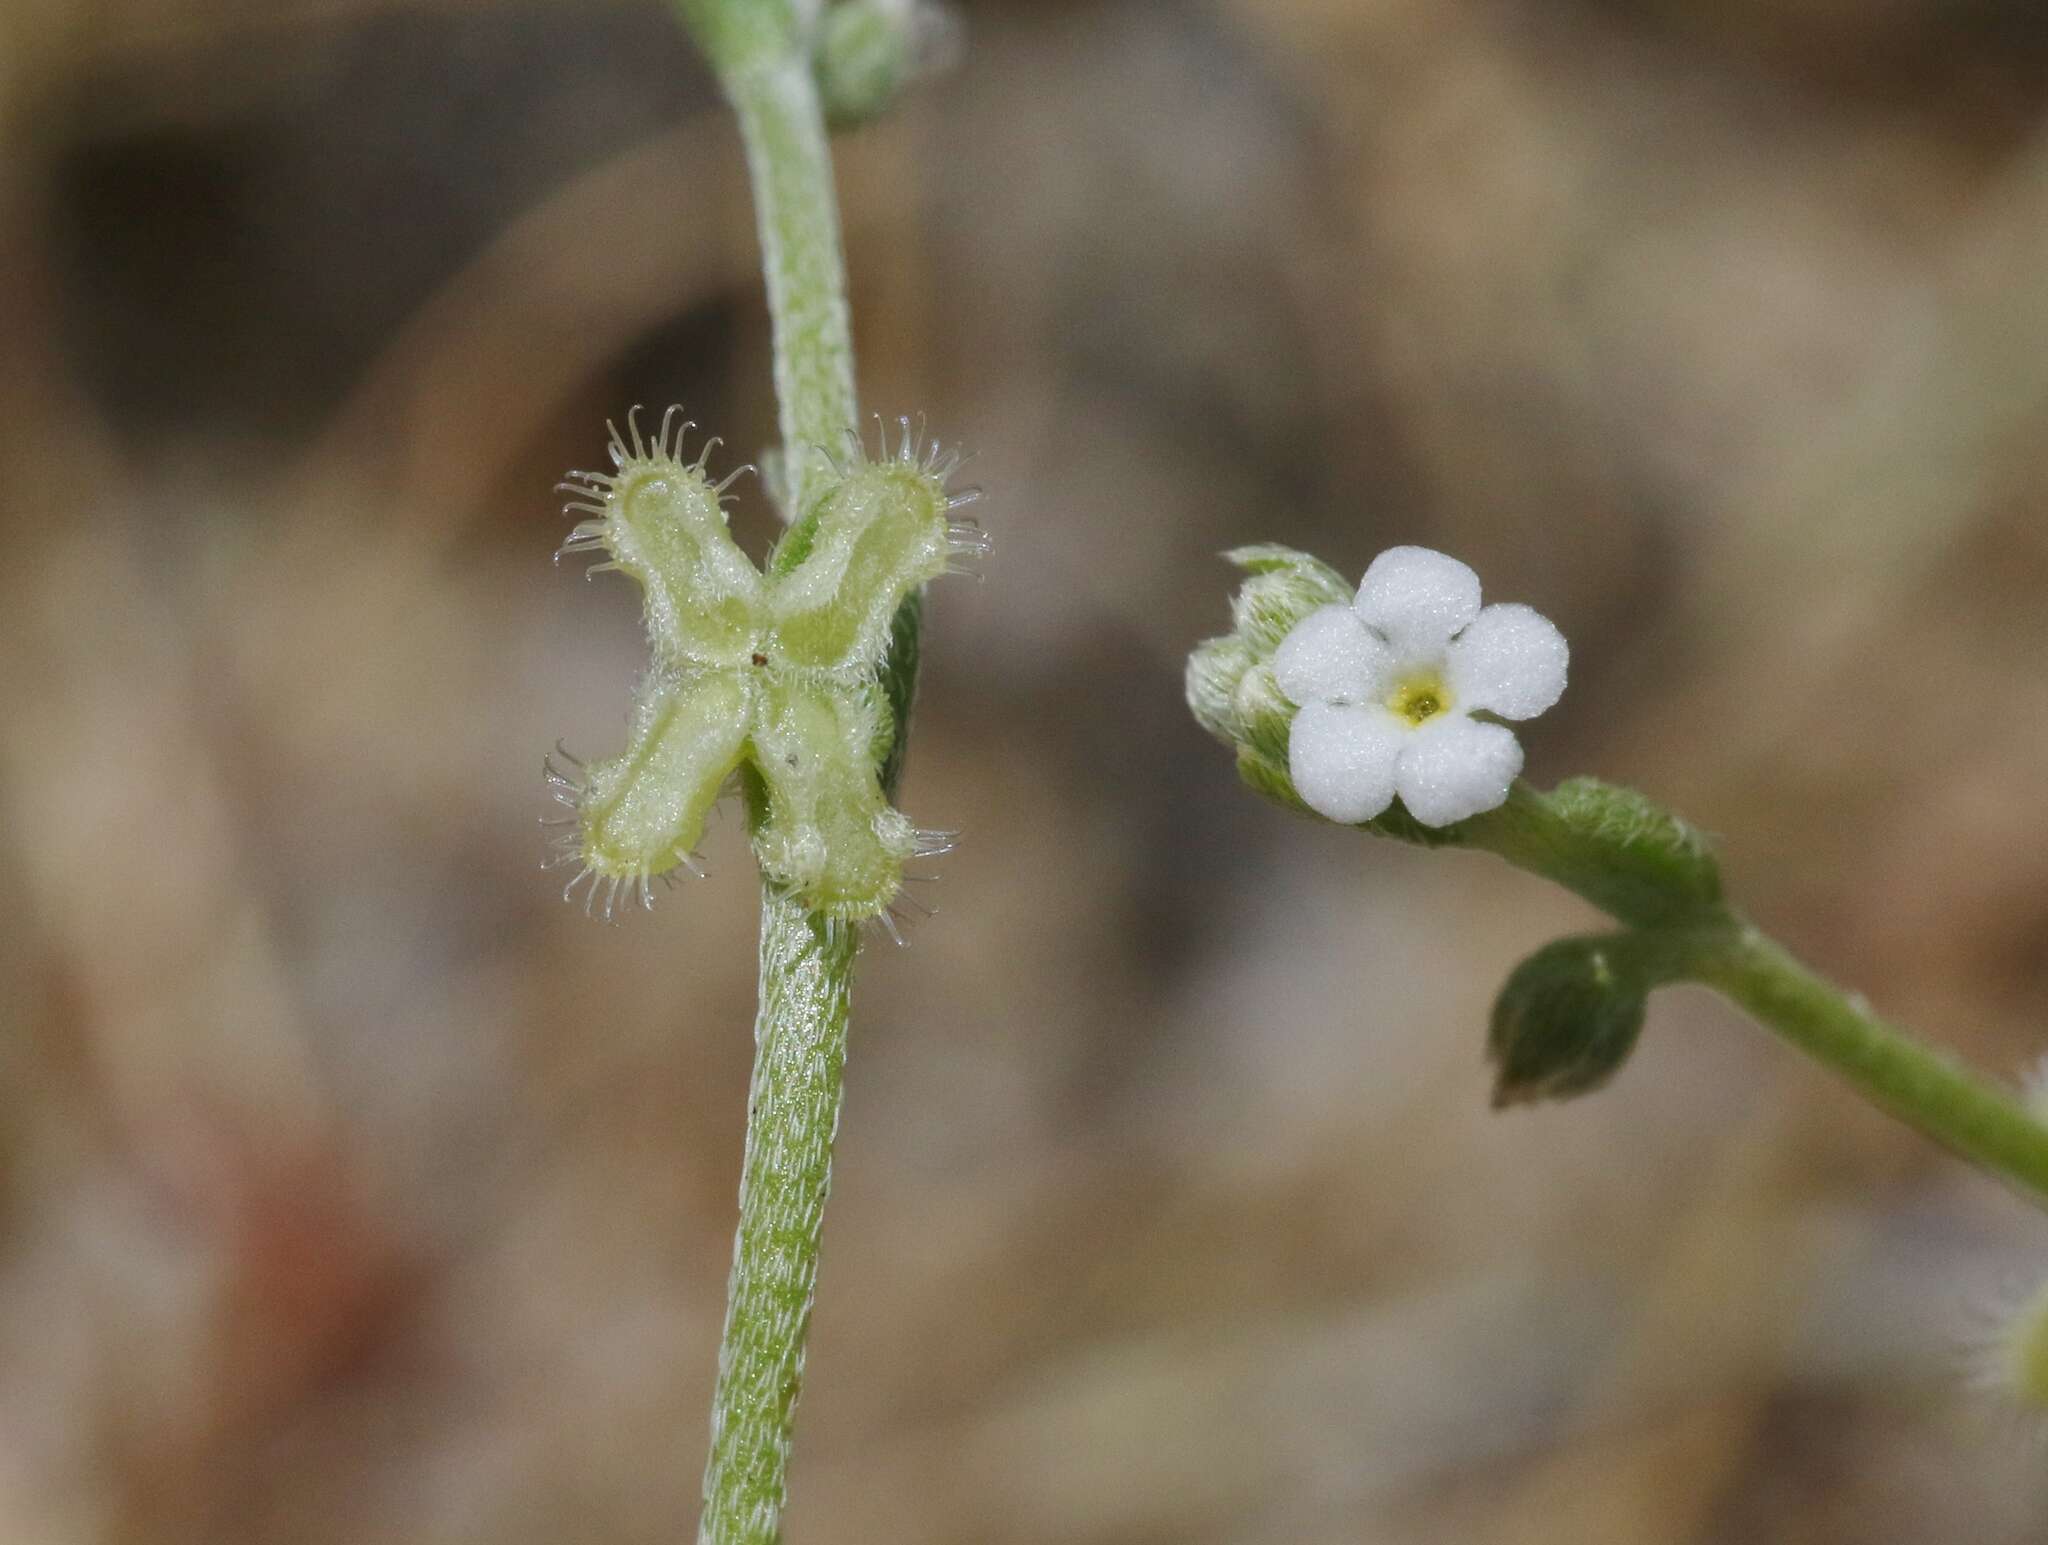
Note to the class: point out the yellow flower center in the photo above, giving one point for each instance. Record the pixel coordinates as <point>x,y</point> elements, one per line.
<point>1420,698</point>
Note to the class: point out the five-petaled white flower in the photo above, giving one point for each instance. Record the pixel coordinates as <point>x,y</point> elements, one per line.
<point>1388,684</point>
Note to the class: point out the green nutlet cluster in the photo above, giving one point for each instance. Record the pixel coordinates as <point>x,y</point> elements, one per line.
<point>766,679</point>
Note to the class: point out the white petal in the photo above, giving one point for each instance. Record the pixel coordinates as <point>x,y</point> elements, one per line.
<point>1418,598</point>
<point>1342,759</point>
<point>1453,767</point>
<point>1511,661</point>
<point>1329,657</point>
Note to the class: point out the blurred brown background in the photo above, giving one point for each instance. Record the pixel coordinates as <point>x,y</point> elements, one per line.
<point>354,1189</point>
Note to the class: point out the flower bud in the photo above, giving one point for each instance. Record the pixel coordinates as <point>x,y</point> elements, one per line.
<point>1264,715</point>
<point>1230,685</point>
<point>1284,586</point>
<point>868,50</point>
<point>1214,670</point>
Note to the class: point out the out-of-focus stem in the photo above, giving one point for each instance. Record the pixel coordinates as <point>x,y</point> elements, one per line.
<point>1914,1081</point>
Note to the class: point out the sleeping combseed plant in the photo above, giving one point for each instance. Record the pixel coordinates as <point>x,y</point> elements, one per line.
<point>1379,707</point>
<point>796,683</point>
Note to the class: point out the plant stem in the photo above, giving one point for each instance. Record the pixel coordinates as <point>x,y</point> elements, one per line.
<point>797,212</point>
<point>806,958</point>
<point>1915,1082</point>
<point>792,1113</point>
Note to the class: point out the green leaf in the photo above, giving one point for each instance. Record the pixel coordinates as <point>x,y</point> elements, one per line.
<point>1568,1018</point>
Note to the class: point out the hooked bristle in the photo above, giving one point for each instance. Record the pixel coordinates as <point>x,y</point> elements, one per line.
<point>933,843</point>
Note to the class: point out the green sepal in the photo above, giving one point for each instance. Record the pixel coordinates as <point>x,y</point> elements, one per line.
<point>1282,587</point>
<point>1262,775</point>
<point>1277,558</point>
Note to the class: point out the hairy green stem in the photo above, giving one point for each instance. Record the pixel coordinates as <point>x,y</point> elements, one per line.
<point>790,163</point>
<point>1915,1082</point>
<point>761,52</point>
<point>792,1114</point>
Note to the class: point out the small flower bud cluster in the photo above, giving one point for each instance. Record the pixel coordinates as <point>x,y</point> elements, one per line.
<point>1230,683</point>
<point>770,678</point>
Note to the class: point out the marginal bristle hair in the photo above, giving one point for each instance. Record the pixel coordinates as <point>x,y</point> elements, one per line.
<point>590,493</point>
<point>618,892</point>
<point>933,844</point>
<point>665,449</point>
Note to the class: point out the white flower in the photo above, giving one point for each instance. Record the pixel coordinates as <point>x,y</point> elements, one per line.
<point>1387,687</point>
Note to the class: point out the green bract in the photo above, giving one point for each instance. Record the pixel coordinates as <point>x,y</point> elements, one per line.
<point>774,673</point>
<point>1569,1016</point>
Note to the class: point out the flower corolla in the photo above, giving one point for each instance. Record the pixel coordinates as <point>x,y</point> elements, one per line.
<point>1387,688</point>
